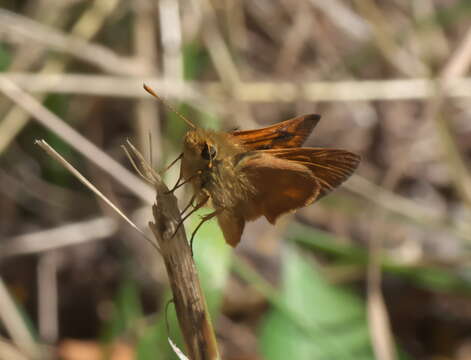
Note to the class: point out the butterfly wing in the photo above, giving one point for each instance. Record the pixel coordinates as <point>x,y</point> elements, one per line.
<point>232,225</point>
<point>286,134</point>
<point>279,185</point>
<point>330,167</point>
<point>284,180</point>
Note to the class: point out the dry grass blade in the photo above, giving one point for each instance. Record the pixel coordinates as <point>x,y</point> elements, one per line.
<point>14,324</point>
<point>457,66</point>
<point>59,237</point>
<point>86,26</point>
<point>48,297</point>
<point>76,140</point>
<point>145,47</point>
<point>17,25</point>
<point>252,92</point>
<point>177,351</point>
<point>145,170</point>
<point>8,351</point>
<point>344,18</point>
<point>54,154</point>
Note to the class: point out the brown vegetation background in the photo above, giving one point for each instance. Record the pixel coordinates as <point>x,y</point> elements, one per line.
<point>378,269</point>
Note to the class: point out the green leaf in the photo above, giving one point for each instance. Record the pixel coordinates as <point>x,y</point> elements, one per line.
<point>153,339</point>
<point>149,341</point>
<point>127,310</point>
<point>331,321</point>
<point>432,278</point>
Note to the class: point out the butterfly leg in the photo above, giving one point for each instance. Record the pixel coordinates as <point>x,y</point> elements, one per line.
<point>190,203</point>
<point>204,218</point>
<point>178,184</point>
<point>171,164</point>
<point>203,201</point>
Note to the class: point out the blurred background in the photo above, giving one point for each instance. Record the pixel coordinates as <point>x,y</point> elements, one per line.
<point>379,269</point>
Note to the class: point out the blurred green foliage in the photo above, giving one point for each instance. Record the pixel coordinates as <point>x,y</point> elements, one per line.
<point>427,277</point>
<point>309,317</point>
<point>331,320</point>
<point>5,57</point>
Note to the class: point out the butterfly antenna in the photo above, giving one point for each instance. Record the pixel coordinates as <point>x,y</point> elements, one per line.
<point>154,94</point>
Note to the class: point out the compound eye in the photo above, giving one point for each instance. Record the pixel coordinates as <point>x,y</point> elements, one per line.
<point>208,152</point>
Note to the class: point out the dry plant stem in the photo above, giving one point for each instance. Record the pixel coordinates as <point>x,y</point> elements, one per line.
<point>222,59</point>
<point>252,92</point>
<point>99,228</point>
<point>457,65</point>
<point>344,18</point>
<point>385,41</point>
<point>15,326</point>
<point>48,297</point>
<point>147,126</point>
<point>8,351</point>
<point>190,303</point>
<point>378,318</point>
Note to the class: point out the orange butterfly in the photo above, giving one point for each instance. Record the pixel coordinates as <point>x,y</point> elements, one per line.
<point>247,174</point>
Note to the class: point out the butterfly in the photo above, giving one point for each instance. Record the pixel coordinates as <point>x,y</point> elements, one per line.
<point>266,172</point>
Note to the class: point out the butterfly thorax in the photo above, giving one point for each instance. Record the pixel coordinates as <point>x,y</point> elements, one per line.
<point>209,161</point>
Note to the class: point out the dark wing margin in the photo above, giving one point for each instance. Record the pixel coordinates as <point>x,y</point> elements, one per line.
<point>286,134</point>
<point>330,167</point>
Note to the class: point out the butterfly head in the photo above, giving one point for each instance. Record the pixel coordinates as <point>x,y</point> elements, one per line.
<point>199,153</point>
<point>200,148</point>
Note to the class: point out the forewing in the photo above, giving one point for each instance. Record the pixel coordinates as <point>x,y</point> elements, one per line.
<point>279,185</point>
<point>286,134</point>
<point>330,167</point>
